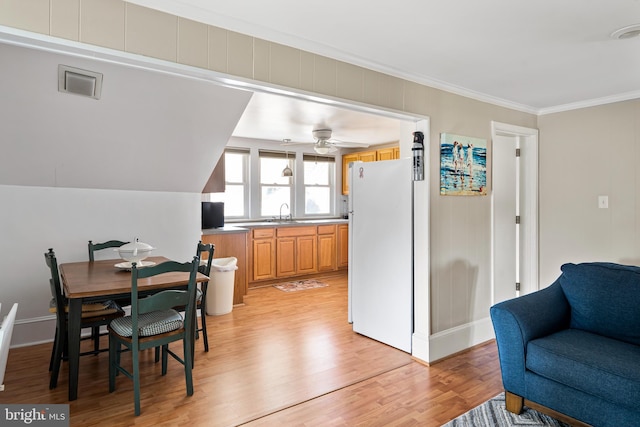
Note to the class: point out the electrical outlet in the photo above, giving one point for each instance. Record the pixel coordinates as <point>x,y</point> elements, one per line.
<point>603,202</point>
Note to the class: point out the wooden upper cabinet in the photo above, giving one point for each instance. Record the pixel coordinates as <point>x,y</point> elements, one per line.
<point>388,153</point>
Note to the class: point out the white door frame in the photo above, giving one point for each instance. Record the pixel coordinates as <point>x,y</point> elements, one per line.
<point>528,138</point>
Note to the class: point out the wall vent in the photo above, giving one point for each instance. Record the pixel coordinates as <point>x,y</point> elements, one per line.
<point>79,82</point>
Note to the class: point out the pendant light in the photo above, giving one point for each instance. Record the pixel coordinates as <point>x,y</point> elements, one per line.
<point>287,170</point>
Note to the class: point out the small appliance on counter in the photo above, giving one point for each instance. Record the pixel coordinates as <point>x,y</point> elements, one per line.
<point>212,214</point>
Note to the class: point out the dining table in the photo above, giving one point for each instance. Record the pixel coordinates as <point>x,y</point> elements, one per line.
<point>94,281</point>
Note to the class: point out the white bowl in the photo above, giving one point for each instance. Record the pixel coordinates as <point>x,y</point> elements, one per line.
<point>134,252</point>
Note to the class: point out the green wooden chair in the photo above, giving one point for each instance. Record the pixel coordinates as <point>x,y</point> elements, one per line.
<point>155,323</point>
<point>204,268</point>
<point>94,315</point>
<point>201,297</point>
<point>93,247</point>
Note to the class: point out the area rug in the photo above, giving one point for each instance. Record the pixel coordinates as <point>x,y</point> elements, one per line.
<point>300,285</point>
<point>493,413</point>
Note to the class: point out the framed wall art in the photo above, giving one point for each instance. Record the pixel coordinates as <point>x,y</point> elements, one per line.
<point>463,165</point>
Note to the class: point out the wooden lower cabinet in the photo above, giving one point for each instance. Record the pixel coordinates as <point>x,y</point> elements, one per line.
<point>327,260</point>
<point>264,254</point>
<point>343,245</point>
<point>286,257</point>
<point>292,250</point>
<point>307,255</point>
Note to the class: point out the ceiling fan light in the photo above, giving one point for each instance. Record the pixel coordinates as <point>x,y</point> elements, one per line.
<point>627,32</point>
<point>321,149</point>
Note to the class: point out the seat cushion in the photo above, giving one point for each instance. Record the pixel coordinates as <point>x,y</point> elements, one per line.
<point>96,309</point>
<point>604,299</point>
<point>152,323</point>
<point>597,365</point>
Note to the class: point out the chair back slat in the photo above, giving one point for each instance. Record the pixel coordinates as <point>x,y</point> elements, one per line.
<point>163,300</point>
<point>209,249</point>
<point>100,246</point>
<point>56,287</point>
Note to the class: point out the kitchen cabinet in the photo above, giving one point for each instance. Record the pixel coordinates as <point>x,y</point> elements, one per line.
<point>264,254</point>
<point>232,244</point>
<point>363,156</point>
<point>296,252</point>
<point>387,153</point>
<point>343,246</point>
<point>327,260</point>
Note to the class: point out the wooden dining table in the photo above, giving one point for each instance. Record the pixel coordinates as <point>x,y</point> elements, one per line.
<point>92,281</point>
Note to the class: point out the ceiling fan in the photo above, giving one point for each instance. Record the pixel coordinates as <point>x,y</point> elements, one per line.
<point>325,144</point>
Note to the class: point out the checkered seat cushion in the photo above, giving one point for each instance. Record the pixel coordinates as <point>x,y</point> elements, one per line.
<point>152,323</point>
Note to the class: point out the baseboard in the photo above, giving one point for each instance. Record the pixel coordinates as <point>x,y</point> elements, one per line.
<point>454,340</point>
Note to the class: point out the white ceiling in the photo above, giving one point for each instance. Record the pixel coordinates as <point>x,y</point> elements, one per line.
<point>538,56</point>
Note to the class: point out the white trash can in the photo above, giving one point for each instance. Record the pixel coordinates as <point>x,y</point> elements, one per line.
<point>221,284</point>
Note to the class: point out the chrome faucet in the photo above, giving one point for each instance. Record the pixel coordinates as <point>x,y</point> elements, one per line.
<point>284,204</point>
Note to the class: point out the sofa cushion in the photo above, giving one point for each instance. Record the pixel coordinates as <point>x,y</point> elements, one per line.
<point>597,365</point>
<point>604,299</point>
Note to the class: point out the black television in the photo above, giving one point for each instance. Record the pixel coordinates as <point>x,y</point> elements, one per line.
<point>212,214</point>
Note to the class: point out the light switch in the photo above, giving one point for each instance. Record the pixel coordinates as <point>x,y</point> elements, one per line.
<point>603,202</point>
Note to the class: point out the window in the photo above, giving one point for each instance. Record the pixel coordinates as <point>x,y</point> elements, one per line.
<point>318,174</point>
<point>275,189</point>
<point>236,178</point>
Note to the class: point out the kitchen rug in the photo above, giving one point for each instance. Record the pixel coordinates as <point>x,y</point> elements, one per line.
<point>300,285</point>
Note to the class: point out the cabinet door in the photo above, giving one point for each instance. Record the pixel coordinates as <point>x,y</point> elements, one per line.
<point>367,156</point>
<point>396,152</point>
<point>343,245</point>
<point>346,159</point>
<point>327,252</point>
<point>264,259</point>
<point>286,256</point>
<point>307,260</point>
<point>385,154</point>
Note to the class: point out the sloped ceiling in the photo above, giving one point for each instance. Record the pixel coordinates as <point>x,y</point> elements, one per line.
<point>150,130</point>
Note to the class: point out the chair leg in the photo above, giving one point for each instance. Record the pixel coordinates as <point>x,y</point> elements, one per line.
<point>56,358</point>
<point>165,358</point>
<point>136,379</point>
<point>95,332</point>
<point>113,362</point>
<point>53,350</point>
<point>188,364</point>
<point>203,319</point>
<point>157,350</point>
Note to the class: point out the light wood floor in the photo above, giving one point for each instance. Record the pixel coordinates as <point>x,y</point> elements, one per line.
<point>281,359</point>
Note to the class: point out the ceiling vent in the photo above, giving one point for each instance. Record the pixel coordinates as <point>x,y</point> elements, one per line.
<point>79,82</point>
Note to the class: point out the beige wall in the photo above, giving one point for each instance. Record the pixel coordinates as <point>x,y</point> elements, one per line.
<point>460,226</point>
<point>584,154</point>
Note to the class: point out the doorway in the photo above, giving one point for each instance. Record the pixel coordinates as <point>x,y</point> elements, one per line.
<point>514,211</point>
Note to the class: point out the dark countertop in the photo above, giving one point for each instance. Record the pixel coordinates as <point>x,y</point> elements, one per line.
<point>244,227</point>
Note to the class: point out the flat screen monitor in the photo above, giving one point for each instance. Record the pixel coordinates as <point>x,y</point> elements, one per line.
<point>212,214</point>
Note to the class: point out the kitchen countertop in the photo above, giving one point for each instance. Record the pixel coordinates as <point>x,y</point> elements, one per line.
<point>244,227</point>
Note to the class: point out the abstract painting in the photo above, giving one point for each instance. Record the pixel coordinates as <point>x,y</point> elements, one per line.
<point>463,165</point>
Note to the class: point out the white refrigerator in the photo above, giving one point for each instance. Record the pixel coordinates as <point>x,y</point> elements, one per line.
<point>381,251</point>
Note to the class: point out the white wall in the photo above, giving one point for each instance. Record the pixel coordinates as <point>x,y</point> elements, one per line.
<point>584,154</point>
<point>33,219</point>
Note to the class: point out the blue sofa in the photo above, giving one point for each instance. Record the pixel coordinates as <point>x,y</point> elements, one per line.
<point>573,348</point>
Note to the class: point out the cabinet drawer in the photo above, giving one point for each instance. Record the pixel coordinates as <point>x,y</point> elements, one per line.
<point>263,233</point>
<point>296,231</point>
<point>326,229</point>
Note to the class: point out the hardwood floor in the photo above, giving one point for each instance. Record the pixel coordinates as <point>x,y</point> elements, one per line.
<point>281,359</point>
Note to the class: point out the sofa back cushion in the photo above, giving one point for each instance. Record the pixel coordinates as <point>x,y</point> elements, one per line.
<point>604,299</point>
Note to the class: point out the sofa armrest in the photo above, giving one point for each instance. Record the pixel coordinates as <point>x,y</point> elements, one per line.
<point>520,320</point>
